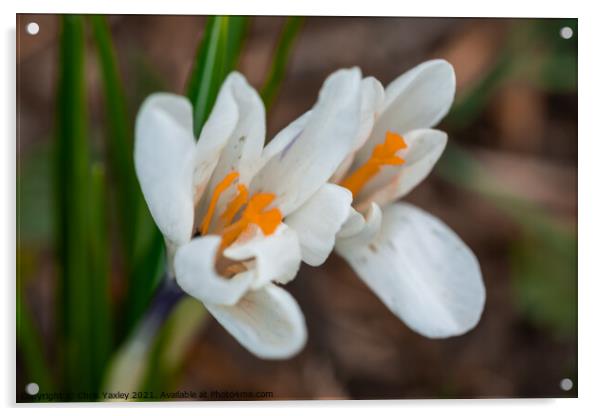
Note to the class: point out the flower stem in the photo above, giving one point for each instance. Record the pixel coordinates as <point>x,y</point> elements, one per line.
<point>166,298</point>
<point>129,364</point>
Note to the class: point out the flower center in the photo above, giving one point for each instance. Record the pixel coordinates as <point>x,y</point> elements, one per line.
<point>252,210</point>
<point>382,154</point>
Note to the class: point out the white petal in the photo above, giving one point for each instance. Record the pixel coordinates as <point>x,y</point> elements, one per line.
<point>244,145</point>
<point>425,147</point>
<point>195,273</point>
<point>423,272</point>
<point>354,223</point>
<point>418,99</point>
<point>343,168</point>
<point>318,220</point>
<point>215,134</point>
<point>310,159</point>
<point>268,322</point>
<point>359,230</point>
<point>373,97</point>
<point>284,138</point>
<point>438,69</point>
<point>277,257</point>
<point>163,159</point>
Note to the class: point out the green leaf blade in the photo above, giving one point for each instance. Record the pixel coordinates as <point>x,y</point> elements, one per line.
<point>217,55</point>
<point>289,33</point>
<point>119,135</point>
<point>71,190</point>
<point>30,344</point>
<point>142,240</point>
<point>101,333</point>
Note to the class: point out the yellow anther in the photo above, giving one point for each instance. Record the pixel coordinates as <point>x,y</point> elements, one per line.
<point>219,189</point>
<point>235,205</point>
<point>382,154</point>
<point>253,213</point>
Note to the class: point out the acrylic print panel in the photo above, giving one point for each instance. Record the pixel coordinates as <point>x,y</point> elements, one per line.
<point>188,230</point>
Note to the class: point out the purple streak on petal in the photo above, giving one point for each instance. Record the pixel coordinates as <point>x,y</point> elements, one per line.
<point>289,145</point>
<point>166,298</point>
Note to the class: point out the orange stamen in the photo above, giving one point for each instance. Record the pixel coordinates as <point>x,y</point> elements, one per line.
<point>235,205</point>
<point>219,189</point>
<point>232,232</point>
<point>254,213</point>
<point>382,154</point>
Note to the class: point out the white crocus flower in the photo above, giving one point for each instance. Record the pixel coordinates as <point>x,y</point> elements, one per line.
<point>235,215</point>
<point>413,262</point>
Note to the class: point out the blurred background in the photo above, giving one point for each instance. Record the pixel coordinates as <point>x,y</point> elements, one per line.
<point>507,184</point>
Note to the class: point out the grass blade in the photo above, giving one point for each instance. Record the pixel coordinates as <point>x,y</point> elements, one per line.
<point>119,135</point>
<point>237,28</point>
<point>142,240</point>
<point>217,55</point>
<point>281,56</point>
<point>100,327</point>
<point>148,268</point>
<point>29,344</point>
<point>168,352</point>
<point>72,174</point>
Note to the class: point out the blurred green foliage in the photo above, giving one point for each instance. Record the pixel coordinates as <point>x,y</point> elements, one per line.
<point>166,356</point>
<point>72,165</point>
<point>35,224</point>
<point>535,53</point>
<point>118,136</point>
<point>547,60</point>
<point>544,256</point>
<point>96,192</point>
<point>289,33</point>
<point>29,342</point>
<point>99,274</point>
<point>544,266</point>
<point>217,55</point>
<point>142,240</point>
